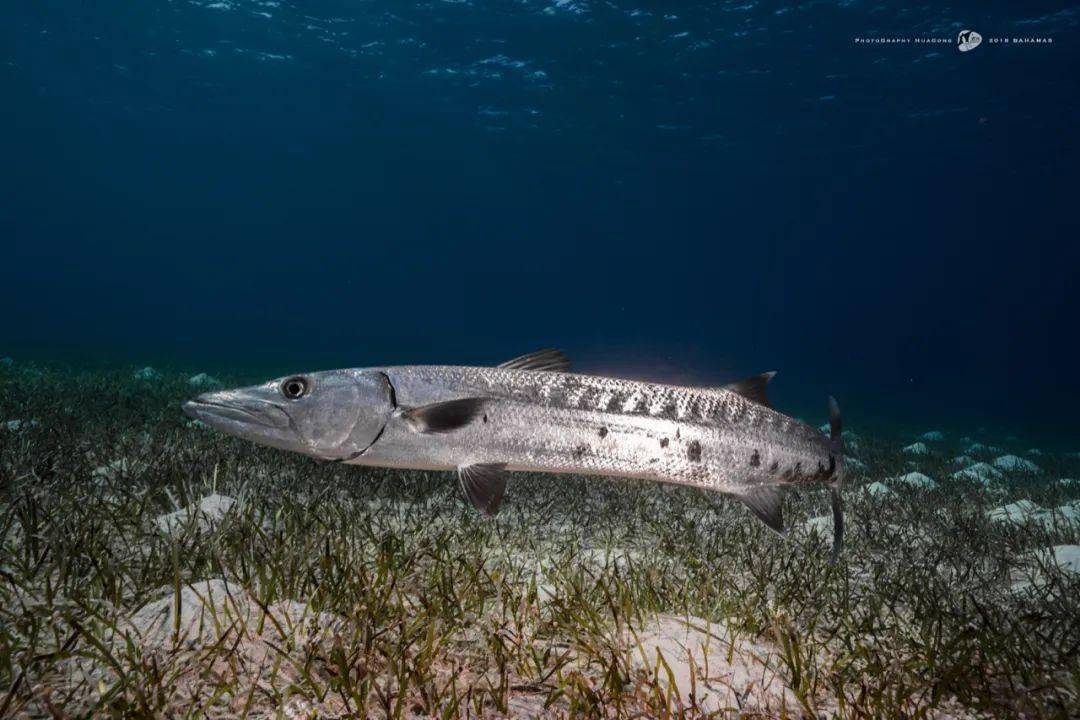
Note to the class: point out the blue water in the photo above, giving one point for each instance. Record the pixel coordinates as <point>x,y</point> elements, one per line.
<point>684,191</point>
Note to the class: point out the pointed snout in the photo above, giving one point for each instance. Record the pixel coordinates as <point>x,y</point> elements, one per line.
<point>190,407</point>
<point>233,410</point>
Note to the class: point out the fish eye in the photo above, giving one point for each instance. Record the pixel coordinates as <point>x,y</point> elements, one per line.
<point>294,388</point>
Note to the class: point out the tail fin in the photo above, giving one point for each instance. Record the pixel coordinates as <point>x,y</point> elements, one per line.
<point>836,427</point>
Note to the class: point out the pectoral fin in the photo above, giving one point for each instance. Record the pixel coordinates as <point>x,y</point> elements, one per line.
<point>483,485</point>
<point>767,502</point>
<point>444,416</point>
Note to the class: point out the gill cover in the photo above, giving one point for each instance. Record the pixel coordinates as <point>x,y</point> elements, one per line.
<point>342,412</point>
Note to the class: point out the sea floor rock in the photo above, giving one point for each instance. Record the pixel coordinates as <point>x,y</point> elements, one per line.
<point>979,472</point>
<point>932,436</point>
<point>1014,463</point>
<point>146,373</point>
<point>918,448</point>
<point>202,380</point>
<point>917,479</point>
<point>1018,513</point>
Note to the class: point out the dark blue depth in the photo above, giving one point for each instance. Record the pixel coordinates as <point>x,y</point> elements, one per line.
<point>196,184</point>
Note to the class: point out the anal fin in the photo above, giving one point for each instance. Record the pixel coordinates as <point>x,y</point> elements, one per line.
<point>767,502</point>
<point>483,485</point>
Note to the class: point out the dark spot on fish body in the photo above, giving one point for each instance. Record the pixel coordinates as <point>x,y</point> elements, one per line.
<point>580,450</point>
<point>603,432</point>
<point>669,409</point>
<point>693,451</point>
<point>775,466</point>
<point>485,417</point>
<point>613,403</point>
<point>755,459</point>
<point>663,442</point>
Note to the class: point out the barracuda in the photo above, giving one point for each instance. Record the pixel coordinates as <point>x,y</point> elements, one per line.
<point>532,414</point>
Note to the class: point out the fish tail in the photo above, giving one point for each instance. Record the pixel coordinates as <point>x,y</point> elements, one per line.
<point>836,439</point>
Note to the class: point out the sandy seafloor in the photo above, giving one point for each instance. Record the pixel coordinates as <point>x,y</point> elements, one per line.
<point>153,568</point>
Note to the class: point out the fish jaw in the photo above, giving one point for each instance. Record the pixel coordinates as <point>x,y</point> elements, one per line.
<point>244,414</point>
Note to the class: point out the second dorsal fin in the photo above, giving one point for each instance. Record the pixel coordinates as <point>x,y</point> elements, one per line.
<point>753,388</point>
<point>551,360</point>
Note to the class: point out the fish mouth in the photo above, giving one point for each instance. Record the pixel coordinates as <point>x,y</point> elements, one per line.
<point>236,411</point>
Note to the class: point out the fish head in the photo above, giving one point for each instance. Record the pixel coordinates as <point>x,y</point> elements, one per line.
<point>331,415</point>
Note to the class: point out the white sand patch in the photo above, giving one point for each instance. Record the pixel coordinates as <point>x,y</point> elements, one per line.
<point>1064,517</point>
<point>17,425</point>
<point>711,666</point>
<point>917,479</point>
<point>1014,463</point>
<point>1065,557</point>
<point>918,448</point>
<point>1045,562</point>
<point>963,460</point>
<point>612,557</point>
<point>880,490</point>
<point>204,612</point>
<point>979,472</point>
<point>854,464</point>
<point>1018,513</point>
<point>932,436</point>
<point>822,525</point>
<point>1068,482</point>
<point>205,514</point>
<point>121,467</point>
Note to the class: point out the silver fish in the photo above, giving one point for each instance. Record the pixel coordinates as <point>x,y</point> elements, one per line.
<point>532,414</point>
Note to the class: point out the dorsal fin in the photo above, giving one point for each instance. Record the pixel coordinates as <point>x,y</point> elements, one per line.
<point>551,360</point>
<point>753,388</point>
